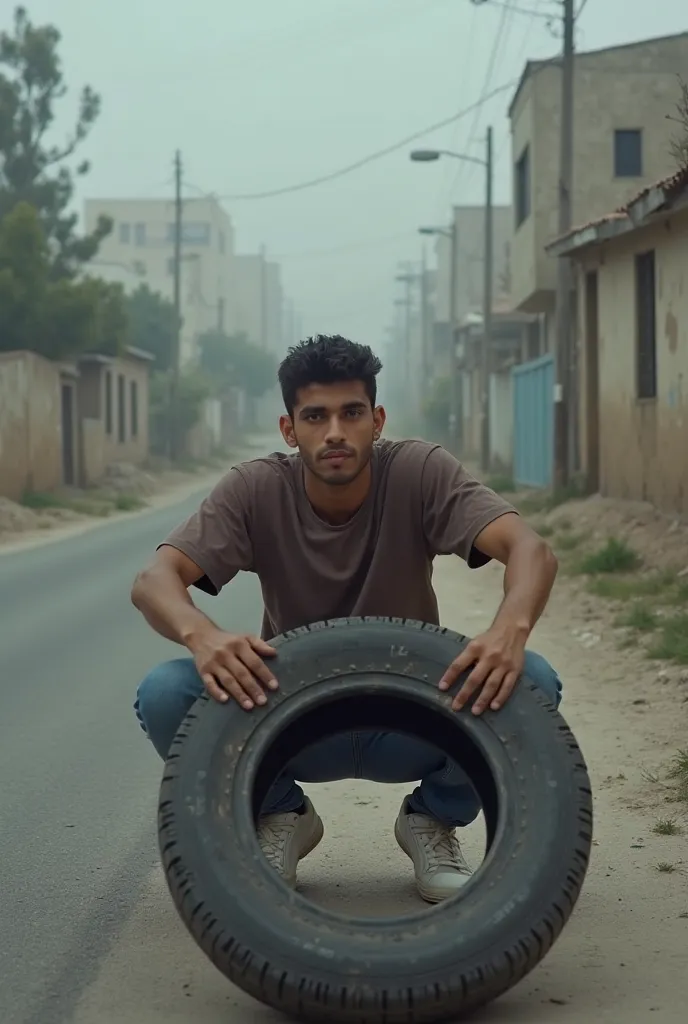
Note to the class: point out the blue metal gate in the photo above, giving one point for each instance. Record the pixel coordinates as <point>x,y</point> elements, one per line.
<point>533,389</point>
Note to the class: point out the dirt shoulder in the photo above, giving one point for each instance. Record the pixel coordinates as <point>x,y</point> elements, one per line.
<point>621,599</point>
<point>125,491</point>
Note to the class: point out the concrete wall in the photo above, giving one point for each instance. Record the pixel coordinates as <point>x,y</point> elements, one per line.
<point>634,87</point>
<point>642,442</point>
<point>121,436</point>
<point>130,442</point>
<point>30,424</point>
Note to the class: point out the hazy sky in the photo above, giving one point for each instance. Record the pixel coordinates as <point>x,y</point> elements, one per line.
<point>261,94</point>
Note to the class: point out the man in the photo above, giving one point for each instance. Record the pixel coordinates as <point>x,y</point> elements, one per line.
<point>348,526</point>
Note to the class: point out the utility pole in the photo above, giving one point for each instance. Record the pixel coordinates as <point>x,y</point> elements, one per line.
<point>407,330</point>
<point>263,300</point>
<point>486,354</point>
<point>174,439</point>
<point>563,319</point>
<point>453,366</point>
<point>424,325</point>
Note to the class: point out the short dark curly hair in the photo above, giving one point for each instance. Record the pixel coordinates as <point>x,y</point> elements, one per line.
<point>327,359</point>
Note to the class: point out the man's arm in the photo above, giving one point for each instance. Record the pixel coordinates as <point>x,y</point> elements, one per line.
<point>530,570</point>
<point>207,551</point>
<point>160,592</point>
<point>497,655</point>
<point>230,665</point>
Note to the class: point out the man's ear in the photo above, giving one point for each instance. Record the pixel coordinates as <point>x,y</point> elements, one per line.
<point>287,430</point>
<point>379,419</point>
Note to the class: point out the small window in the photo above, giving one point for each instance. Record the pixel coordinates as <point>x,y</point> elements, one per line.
<point>140,234</point>
<point>522,187</point>
<point>108,403</point>
<point>125,234</point>
<point>646,325</point>
<point>121,410</point>
<point>192,232</point>
<point>628,153</point>
<point>134,407</point>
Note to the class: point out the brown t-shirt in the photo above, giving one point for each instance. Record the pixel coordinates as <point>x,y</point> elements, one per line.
<point>421,503</point>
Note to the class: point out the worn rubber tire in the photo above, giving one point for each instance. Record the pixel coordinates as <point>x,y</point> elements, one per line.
<point>318,966</point>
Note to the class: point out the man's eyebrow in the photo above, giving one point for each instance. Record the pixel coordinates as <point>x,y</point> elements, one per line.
<point>312,410</point>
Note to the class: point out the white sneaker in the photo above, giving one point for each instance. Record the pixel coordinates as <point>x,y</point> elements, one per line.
<point>285,839</point>
<point>440,866</point>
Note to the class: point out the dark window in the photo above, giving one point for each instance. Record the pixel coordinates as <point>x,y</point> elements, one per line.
<point>192,232</point>
<point>140,234</point>
<point>646,331</point>
<point>121,410</point>
<point>628,153</point>
<point>108,403</point>
<point>125,234</point>
<point>134,407</point>
<point>522,184</point>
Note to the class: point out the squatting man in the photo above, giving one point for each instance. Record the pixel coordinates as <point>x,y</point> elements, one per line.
<point>347,525</point>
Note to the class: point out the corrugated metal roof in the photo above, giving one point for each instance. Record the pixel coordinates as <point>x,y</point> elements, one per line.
<point>669,188</point>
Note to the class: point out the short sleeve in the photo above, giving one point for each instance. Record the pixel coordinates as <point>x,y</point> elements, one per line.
<point>217,537</point>
<point>456,508</point>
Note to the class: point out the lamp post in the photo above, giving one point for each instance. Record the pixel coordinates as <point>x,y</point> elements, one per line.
<point>429,156</point>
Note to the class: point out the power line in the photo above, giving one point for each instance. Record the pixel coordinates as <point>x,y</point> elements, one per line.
<point>516,9</point>
<point>536,12</point>
<point>506,10</point>
<point>454,143</point>
<point>364,161</point>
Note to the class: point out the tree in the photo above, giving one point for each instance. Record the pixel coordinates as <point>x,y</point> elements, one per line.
<point>152,325</point>
<point>58,319</point>
<point>33,169</point>
<point>679,144</point>
<point>170,426</point>
<point>233,360</point>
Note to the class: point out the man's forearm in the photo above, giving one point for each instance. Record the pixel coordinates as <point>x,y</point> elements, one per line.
<point>529,576</point>
<point>166,605</point>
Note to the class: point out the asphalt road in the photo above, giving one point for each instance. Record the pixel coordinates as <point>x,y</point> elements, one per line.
<point>77,789</point>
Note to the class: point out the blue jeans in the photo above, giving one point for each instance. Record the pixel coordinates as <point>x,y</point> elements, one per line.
<point>445,792</point>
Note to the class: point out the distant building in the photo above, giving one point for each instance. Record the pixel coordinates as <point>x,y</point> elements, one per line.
<point>470,273</point>
<point>624,97</point>
<point>259,302</point>
<point>140,250</point>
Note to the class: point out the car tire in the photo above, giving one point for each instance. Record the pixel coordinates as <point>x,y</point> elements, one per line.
<point>313,964</point>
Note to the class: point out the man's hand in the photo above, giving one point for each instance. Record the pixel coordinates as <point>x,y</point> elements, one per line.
<point>497,658</point>
<point>232,666</point>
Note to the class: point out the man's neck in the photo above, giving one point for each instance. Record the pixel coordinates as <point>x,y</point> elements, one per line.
<point>337,504</point>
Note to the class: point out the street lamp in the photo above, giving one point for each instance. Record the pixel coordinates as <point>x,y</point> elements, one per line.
<point>428,156</point>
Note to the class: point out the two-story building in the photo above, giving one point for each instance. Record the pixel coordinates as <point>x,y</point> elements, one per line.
<point>140,250</point>
<point>624,97</point>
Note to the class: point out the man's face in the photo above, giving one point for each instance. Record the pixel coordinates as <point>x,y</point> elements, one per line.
<point>334,428</point>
